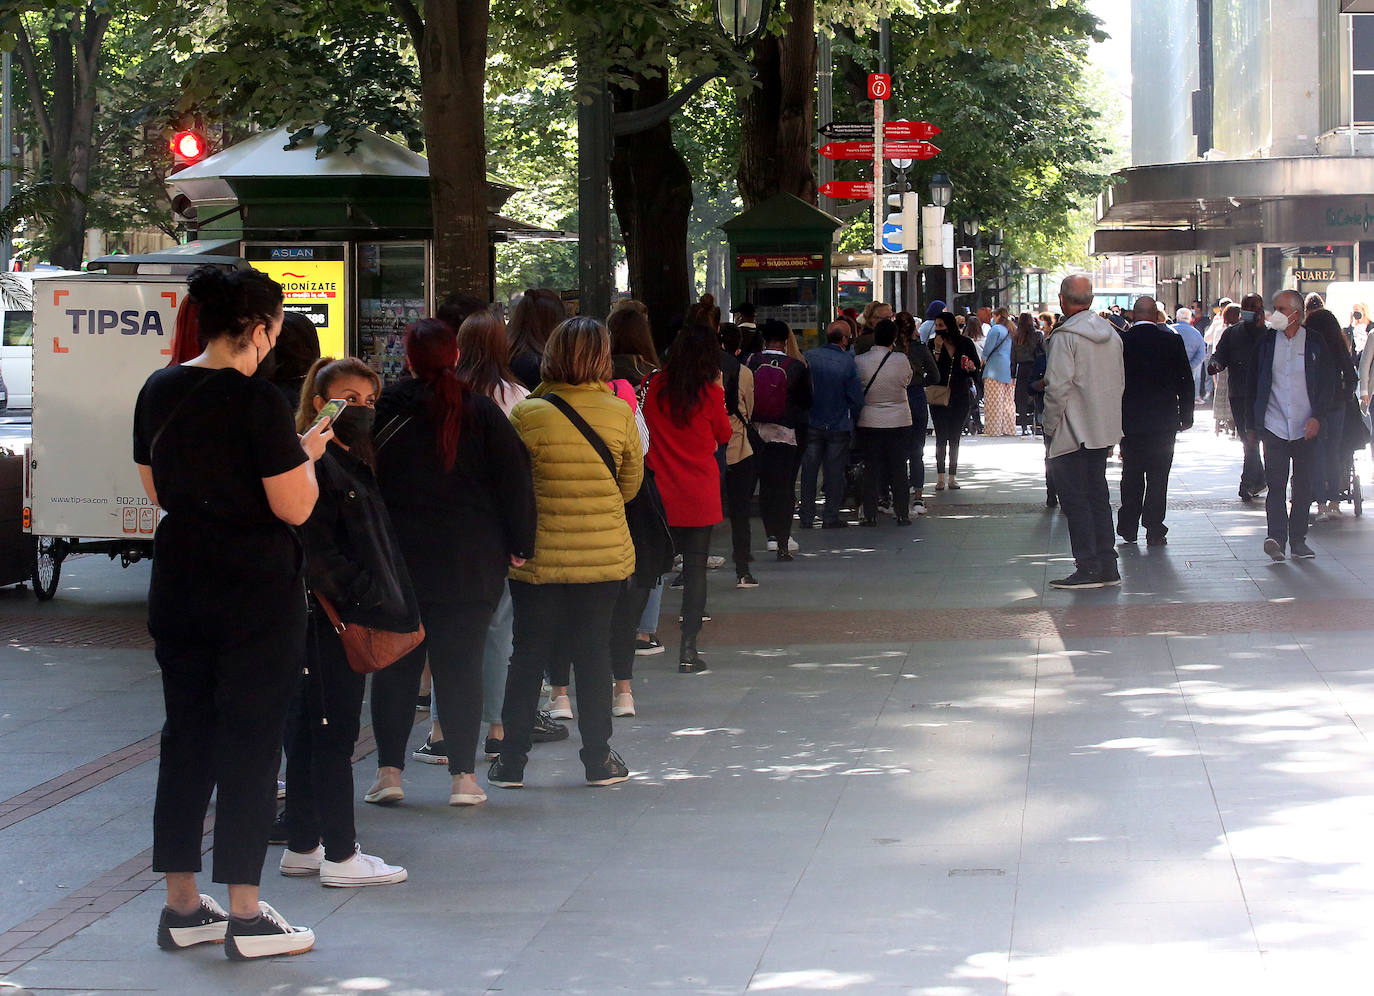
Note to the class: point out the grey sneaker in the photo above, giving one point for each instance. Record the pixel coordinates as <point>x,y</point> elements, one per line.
<point>1274,548</point>
<point>1301,549</point>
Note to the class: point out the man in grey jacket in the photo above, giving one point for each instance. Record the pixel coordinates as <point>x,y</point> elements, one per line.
<point>1084,381</point>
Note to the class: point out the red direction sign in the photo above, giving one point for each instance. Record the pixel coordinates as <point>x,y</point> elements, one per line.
<point>914,130</point>
<point>891,150</point>
<point>860,189</point>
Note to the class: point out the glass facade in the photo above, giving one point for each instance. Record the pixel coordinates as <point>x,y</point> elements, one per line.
<point>1164,61</point>
<point>392,289</point>
<point>1240,61</point>
<point>1306,269</point>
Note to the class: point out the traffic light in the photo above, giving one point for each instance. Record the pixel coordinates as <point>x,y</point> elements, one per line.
<point>188,148</point>
<point>964,269</point>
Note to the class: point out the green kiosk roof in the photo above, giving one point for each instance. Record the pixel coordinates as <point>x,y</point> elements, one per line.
<point>782,214</point>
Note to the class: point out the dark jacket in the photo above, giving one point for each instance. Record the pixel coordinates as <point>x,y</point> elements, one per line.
<point>798,386</point>
<point>457,528</point>
<point>352,556</point>
<point>1322,375</point>
<point>1235,353</point>
<point>837,394</point>
<point>1158,396</point>
<point>952,373</point>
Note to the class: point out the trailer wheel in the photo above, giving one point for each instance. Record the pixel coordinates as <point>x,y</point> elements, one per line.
<point>48,554</point>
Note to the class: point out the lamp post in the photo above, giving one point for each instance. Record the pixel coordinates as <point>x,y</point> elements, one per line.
<point>994,251</point>
<point>941,193</point>
<point>742,21</point>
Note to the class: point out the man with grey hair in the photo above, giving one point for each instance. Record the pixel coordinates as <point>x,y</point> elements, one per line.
<point>1084,381</point>
<point>1194,342</point>
<point>1296,391</point>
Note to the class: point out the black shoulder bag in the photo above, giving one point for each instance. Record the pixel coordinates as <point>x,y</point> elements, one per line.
<point>644,514</point>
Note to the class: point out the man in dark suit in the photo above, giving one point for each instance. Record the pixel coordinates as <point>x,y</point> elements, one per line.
<point>1156,404</point>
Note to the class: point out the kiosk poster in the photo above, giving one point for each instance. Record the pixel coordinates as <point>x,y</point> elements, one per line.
<point>313,282</point>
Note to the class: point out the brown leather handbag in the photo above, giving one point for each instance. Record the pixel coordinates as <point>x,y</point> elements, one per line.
<point>369,649</point>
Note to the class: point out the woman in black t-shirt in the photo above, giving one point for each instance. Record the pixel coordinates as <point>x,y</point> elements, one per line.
<point>957,359</point>
<point>217,449</point>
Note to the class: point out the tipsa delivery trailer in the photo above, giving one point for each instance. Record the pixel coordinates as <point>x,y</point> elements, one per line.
<point>96,339</point>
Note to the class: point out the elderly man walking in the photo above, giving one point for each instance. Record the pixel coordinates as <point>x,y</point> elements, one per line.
<point>1295,395</point>
<point>1156,406</point>
<point>1084,381</point>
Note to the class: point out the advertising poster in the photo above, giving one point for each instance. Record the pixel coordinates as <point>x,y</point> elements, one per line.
<point>313,282</point>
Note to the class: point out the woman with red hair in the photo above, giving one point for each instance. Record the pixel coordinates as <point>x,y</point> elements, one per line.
<point>456,481</point>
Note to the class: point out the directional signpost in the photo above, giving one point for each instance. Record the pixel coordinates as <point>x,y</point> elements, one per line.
<point>892,130</point>
<point>891,150</point>
<point>854,189</point>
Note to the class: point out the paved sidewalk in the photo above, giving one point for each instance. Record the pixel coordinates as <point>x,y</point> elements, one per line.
<point>914,768</point>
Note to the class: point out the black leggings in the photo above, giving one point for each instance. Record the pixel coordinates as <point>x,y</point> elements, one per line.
<point>949,425</point>
<point>455,640</point>
<point>226,696</point>
<point>778,490</point>
<point>694,543</point>
<point>324,722</point>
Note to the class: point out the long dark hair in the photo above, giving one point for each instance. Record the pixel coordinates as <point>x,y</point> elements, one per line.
<point>631,336</point>
<point>1025,329</point>
<point>432,353</point>
<point>533,318</point>
<point>483,353</point>
<point>693,364</point>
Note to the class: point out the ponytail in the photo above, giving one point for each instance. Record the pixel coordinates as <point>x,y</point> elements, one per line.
<point>432,352</point>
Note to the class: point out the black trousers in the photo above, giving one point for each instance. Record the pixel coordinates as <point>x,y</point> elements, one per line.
<point>1145,463</point>
<point>1252,469</point>
<point>949,425</point>
<point>1281,456</point>
<point>629,606</point>
<point>573,620</point>
<point>694,543</point>
<point>323,727</point>
<point>886,452</point>
<point>455,640</point>
<point>737,490</point>
<point>1080,478</point>
<point>777,490</point>
<point>226,695</point>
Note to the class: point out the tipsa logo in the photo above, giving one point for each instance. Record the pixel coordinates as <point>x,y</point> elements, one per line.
<point>98,321</point>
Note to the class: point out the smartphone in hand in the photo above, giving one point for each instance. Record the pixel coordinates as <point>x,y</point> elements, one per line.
<point>330,411</point>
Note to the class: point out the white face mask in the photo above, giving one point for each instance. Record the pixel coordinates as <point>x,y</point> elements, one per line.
<point>1278,321</point>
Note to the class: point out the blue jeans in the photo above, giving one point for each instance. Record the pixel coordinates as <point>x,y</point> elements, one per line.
<point>828,448</point>
<point>496,657</point>
<point>648,622</point>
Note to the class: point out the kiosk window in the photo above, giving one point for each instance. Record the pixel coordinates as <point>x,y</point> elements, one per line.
<point>793,300</point>
<point>393,284</point>
<point>18,328</point>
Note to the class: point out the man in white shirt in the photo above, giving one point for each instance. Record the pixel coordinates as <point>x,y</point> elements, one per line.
<point>1296,388</point>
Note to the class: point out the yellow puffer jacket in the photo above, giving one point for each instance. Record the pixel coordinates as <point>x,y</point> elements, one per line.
<point>582,536</point>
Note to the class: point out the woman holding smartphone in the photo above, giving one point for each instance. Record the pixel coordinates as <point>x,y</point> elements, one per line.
<point>352,560</point>
<point>217,449</point>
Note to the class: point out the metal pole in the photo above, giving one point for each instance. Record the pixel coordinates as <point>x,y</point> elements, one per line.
<point>593,187</point>
<point>6,148</point>
<point>879,201</point>
<point>825,108</point>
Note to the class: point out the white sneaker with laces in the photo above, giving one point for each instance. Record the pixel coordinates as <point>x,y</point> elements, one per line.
<point>295,864</point>
<point>713,562</point>
<point>623,704</point>
<point>360,869</point>
<point>560,707</point>
<point>773,546</point>
<point>792,545</point>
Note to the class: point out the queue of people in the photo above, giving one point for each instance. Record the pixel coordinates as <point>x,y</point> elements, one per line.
<point>515,502</point>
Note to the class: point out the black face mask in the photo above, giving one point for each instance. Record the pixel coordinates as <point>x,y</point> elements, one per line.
<point>354,425</point>
<point>1358,317</point>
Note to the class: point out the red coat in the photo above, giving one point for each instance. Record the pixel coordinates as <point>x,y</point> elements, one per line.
<point>683,457</point>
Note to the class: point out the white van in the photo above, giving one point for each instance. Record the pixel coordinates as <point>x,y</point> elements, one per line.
<point>16,332</point>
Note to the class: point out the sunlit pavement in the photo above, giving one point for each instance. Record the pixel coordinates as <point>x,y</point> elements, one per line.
<point>914,768</point>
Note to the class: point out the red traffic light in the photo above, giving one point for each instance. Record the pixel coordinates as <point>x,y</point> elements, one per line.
<point>188,147</point>
<point>966,271</point>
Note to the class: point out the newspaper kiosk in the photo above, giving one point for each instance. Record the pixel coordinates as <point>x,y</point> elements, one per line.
<point>782,263</point>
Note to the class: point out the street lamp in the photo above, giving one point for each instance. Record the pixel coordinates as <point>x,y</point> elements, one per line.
<point>742,20</point>
<point>970,226</point>
<point>941,190</point>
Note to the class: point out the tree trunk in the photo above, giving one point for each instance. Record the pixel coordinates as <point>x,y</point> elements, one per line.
<point>651,189</point>
<point>778,115</point>
<point>452,46</point>
<point>715,276</point>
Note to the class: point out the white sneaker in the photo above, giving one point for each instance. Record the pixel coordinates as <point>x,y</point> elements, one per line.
<point>559,707</point>
<point>773,546</point>
<point>1333,510</point>
<point>295,864</point>
<point>623,704</point>
<point>792,545</point>
<point>713,562</point>
<point>360,869</point>
<point>918,509</point>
